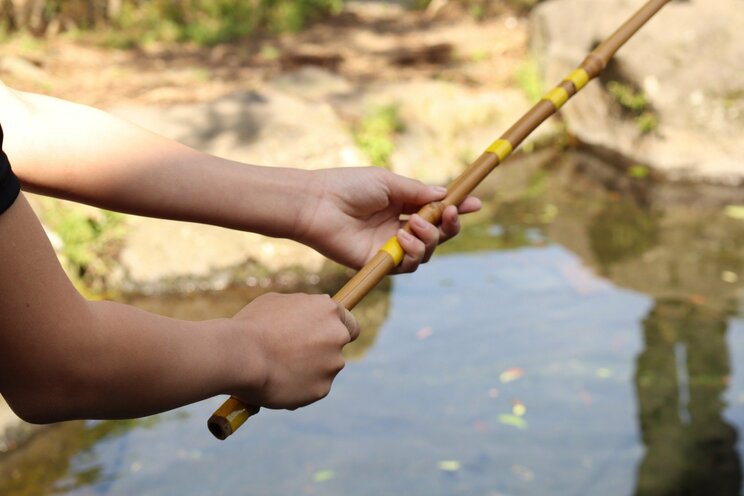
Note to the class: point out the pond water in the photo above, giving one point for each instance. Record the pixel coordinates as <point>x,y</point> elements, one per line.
<point>583,336</point>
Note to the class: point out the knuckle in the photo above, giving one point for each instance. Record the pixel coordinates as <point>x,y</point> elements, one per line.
<point>323,391</point>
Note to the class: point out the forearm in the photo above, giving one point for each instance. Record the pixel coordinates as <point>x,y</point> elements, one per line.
<point>75,152</point>
<point>64,357</point>
<point>139,363</point>
<point>115,361</point>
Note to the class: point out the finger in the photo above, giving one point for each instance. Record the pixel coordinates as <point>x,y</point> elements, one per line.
<point>350,322</point>
<point>414,249</point>
<point>412,192</point>
<point>450,226</point>
<point>426,232</point>
<point>470,204</point>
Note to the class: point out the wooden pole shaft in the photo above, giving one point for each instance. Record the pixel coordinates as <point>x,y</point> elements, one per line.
<point>233,413</point>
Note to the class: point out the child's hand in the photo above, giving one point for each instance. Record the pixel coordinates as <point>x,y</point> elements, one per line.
<point>293,348</point>
<point>356,210</point>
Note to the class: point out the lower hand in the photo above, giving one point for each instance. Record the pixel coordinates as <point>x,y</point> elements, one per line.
<point>293,348</point>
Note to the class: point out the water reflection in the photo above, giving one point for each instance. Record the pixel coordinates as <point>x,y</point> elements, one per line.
<point>635,307</point>
<point>43,465</point>
<point>681,376</point>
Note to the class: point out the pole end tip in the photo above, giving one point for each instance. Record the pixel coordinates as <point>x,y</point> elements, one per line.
<point>219,427</point>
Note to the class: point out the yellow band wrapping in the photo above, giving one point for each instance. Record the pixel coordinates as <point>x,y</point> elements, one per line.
<point>500,147</point>
<point>393,248</point>
<point>579,78</point>
<point>237,418</point>
<point>558,96</point>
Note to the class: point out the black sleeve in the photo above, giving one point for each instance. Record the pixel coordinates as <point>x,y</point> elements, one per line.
<point>9,185</point>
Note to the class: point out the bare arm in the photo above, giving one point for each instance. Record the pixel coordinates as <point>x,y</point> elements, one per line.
<point>79,153</point>
<point>72,151</point>
<point>64,357</point>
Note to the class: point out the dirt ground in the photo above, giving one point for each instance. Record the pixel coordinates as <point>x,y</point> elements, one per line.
<point>368,42</point>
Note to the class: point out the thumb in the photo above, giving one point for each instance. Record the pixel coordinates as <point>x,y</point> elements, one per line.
<point>350,322</point>
<point>413,192</point>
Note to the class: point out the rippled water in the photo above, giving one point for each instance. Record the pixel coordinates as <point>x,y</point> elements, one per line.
<point>574,340</point>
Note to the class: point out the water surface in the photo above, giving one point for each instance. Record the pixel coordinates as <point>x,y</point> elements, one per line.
<point>583,336</point>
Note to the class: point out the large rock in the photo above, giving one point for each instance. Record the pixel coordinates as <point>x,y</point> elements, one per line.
<point>267,127</point>
<point>687,60</point>
<point>445,125</point>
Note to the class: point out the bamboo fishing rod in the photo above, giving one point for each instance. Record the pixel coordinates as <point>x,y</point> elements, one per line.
<point>233,412</point>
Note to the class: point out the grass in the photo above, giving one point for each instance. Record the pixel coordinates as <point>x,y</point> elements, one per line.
<point>375,132</point>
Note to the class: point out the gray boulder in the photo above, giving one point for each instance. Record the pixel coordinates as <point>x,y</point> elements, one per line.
<point>266,127</point>
<point>688,63</point>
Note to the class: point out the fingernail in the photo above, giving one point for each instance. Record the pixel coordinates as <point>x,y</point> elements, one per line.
<point>405,235</point>
<point>439,190</point>
<point>419,221</point>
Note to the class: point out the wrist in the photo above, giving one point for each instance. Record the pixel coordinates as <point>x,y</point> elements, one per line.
<point>244,366</point>
<point>310,193</point>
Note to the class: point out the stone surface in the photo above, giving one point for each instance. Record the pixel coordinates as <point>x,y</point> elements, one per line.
<point>268,128</point>
<point>446,125</point>
<point>687,60</point>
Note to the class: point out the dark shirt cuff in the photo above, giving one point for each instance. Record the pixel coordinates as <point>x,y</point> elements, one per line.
<point>9,184</point>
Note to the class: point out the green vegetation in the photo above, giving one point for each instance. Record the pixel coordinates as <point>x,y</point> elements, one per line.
<point>635,103</point>
<point>209,22</point>
<point>479,9</point>
<point>375,132</point>
<point>528,79</point>
<point>205,22</point>
<point>524,4</point>
<point>639,171</point>
<point>91,239</point>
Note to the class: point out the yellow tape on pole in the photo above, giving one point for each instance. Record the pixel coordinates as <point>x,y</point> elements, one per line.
<point>579,78</point>
<point>558,96</point>
<point>392,247</point>
<point>501,148</point>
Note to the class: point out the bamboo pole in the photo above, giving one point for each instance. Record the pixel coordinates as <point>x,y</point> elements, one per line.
<point>233,412</point>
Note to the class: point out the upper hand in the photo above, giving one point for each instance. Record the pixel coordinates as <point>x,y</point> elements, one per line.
<point>354,211</point>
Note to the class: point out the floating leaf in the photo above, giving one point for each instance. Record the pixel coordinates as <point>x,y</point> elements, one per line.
<point>735,212</point>
<point>511,374</point>
<point>519,409</point>
<point>513,420</point>
<point>523,473</point>
<point>729,276</point>
<point>604,373</point>
<point>423,333</point>
<point>324,475</point>
<point>697,299</point>
<point>449,465</point>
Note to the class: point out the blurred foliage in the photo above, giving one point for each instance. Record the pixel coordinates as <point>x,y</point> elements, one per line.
<point>374,133</point>
<point>481,8</point>
<point>635,103</point>
<point>528,78</point>
<point>128,23</point>
<point>90,240</point>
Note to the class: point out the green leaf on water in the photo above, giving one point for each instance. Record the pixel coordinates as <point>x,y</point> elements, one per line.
<point>324,475</point>
<point>735,212</point>
<point>513,420</point>
<point>449,465</point>
<point>604,373</point>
